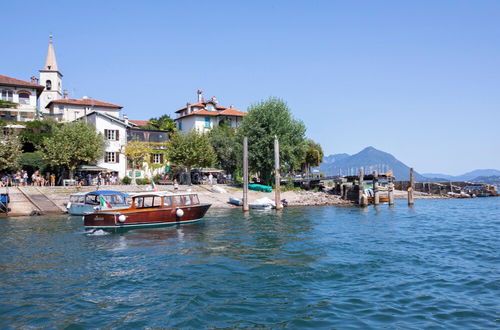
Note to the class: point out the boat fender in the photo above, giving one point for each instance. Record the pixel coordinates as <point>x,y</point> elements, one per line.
<point>122,218</point>
<point>68,205</point>
<point>179,213</point>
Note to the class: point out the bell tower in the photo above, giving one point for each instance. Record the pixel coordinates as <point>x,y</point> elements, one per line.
<point>51,78</point>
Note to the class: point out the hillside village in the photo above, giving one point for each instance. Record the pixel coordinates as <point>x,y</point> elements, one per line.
<point>45,98</point>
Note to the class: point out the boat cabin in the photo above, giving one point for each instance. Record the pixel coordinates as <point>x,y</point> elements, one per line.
<point>152,200</point>
<point>82,203</point>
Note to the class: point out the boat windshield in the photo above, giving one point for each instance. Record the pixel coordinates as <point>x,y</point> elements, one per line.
<point>77,199</point>
<point>112,199</point>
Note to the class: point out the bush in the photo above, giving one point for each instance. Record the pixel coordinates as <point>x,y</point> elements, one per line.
<point>126,180</point>
<point>142,181</point>
<point>157,178</point>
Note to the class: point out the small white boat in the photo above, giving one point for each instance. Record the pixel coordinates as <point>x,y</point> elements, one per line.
<point>84,203</point>
<point>262,204</point>
<point>235,201</point>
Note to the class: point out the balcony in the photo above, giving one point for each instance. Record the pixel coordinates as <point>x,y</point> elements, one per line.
<point>135,134</point>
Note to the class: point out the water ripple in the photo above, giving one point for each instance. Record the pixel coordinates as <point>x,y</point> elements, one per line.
<point>435,265</point>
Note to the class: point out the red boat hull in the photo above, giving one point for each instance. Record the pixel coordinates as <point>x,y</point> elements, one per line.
<point>145,217</point>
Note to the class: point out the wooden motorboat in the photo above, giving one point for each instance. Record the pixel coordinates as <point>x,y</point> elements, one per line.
<point>150,209</point>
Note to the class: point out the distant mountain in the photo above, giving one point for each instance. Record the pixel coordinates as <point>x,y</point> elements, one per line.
<point>333,158</point>
<point>494,180</point>
<point>369,159</point>
<point>469,176</point>
<point>438,176</point>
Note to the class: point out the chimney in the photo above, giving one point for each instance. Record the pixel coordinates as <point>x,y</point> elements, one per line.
<point>188,108</point>
<point>231,106</point>
<point>34,79</point>
<point>200,96</point>
<point>65,94</point>
<point>125,119</point>
<point>214,100</point>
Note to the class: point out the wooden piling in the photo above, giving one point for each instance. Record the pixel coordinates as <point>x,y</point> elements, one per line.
<point>277,179</point>
<point>361,192</point>
<point>411,187</point>
<point>376,194</point>
<point>390,192</point>
<point>245,174</point>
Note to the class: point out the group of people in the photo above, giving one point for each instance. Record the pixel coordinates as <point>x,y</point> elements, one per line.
<point>100,179</point>
<point>21,178</point>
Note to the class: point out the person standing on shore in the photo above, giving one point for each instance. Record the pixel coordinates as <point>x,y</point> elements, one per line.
<point>52,179</point>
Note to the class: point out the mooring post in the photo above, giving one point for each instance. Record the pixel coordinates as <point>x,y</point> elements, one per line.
<point>277,178</point>
<point>362,200</point>
<point>390,190</point>
<point>245,174</point>
<point>376,194</point>
<point>411,187</point>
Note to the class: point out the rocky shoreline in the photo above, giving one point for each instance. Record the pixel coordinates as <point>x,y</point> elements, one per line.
<point>21,204</point>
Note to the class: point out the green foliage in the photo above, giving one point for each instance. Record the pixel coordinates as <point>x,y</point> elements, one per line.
<point>137,152</point>
<point>33,161</point>
<point>10,153</point>
<point>37,130</point>
<point>164,123</point>
<point>191,150</point>
<point>227,147</point>
<point>72,144</point>
<point>8,104</point>
<point>3,123</point>
<point>157,178</point>
<point>126,180</point>
<point>264,121</point>
<point>313,155</point>
<point>143,181</point>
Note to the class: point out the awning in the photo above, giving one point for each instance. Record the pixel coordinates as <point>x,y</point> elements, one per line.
<point>91,168</point>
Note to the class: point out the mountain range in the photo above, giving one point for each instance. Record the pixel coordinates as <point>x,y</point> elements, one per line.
<point>371,159</point>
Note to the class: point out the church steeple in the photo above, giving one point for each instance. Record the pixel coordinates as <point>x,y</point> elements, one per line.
<point>51,78</point>
<point>50,62</point>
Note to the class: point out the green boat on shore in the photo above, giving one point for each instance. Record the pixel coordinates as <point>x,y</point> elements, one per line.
<point>260,187</point>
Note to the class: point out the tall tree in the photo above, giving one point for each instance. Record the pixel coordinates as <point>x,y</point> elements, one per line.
<point>72,144</point>
<point>137,152</point>
<point>227,147</point>
<point>264,121</point>
<point>314,155</point>
<point>164,123</point>
<point>10,152</point>
<point>35,131</point>
<point>191,150</point>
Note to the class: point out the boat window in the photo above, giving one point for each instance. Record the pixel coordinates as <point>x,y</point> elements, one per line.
<point>81,199</point>
<point>73,199</point>
<point>177,200</point>
<point>147,201</point>
<point>117,199</point>
<point>92,200</point>
<point>194,199</point>
<point>187,200</point>
<point>167,201</point>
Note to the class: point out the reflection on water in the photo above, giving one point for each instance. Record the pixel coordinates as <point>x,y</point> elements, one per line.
<point>436,264</point>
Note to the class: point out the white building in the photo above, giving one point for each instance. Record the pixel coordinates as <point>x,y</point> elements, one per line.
<point>54,102</point>
<point>117,132</point>
<point>205,115</point>
<point>66,109</point>
<point>24,93</point>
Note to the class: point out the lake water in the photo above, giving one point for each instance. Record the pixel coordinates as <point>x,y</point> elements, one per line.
<point>434,265</point>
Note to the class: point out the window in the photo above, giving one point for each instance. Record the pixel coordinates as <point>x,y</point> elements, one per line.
<point>187,200</point>
<point>147,201</point>
<point>177,200</point>
<point>111,134</point>
<point>207,122</point>
<point>167,201</point>
<point>48,85</point>
<point>7,95</point>
<point>210,107</point>
<point>111,157</point>
<point>157,158</point>
<point>24,98</point>
<point>179,125</point>
<point>61,109</point>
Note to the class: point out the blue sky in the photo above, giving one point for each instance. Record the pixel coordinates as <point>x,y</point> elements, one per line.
<point>418,79</point>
